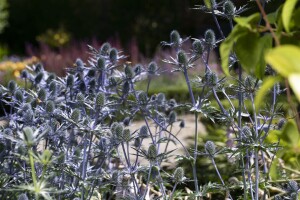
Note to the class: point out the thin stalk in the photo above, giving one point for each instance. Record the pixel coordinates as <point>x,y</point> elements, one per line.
<point>217,23</point>
<point>219,175</point>
<point>172,193</point>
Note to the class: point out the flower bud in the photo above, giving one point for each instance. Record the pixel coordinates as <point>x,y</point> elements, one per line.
<point>113,55</point>
<point>75,115</point>
<point>182,58</point>
<point>50,106</point>
<point>160,98</point>
<point>182,124</point>
<point>104,49</point>
<point>142,97</point>
<point>138,69</point>
<point>126,88</point>
<point>154,173</point>
<point>91,73</point>
<point>53,87</point>
<point>210,38</point>
<point>210,148</point>
<point>42,94</point>
<point>210,4</point>
<point>175,38</point>
<point>210,78</point>
<point>118,131</point>
<point>101,64</point>
<point>80,97</point>
<point>197,48</point>
<point>126,135</point>
<point>70,80</point>
<point>39,77</point>
<point>152,68</point>
<point>12,86</point>
<point>24,74</point>
<point>126,121</point>
<point>228,8</point>
<point>28,136</point>
<point>137,142</point>
<point>172,117</point>
<point>18,95</point>
<point>178,175</point>
<point>39,68</point>
<point>281,123</point>
<point>143,132</point>
<point>79,63</point>
<point>100,99</point>
<point>112,81</point>
<point>172,103</point>
<point>152,152</point>
<point>128,72</point>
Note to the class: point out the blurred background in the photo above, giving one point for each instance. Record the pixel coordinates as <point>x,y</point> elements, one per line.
<point>56,32</point>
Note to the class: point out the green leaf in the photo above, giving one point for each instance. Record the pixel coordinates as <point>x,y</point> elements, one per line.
<point>274,170</point>
<point>265,43</point>
<point>227,45</point>
<point>284,59</point>
<point>290,134</point>
<point>294,80</point>
<point>248,22</point>
<point>287,12</point>
<point>248,50</point>
<point>263,90</point>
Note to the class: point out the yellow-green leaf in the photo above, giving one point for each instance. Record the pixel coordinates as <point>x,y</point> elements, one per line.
<point>249,21</point>
<point>287,13</point>
<point>294,80</point>
<point>263,90</point>
<point>284,59</point>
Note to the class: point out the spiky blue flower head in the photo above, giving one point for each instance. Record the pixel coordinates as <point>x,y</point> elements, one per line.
<point>152,68</point>
<point>210,38</point>
<point>113,55</point>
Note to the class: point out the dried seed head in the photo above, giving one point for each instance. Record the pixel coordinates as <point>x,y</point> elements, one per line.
<point>143,132</point>
<point>80,97</point>
<point>210,148</point>
<point>172,117</point>
<point>113,55</point>
<point>152,152</point>
<point>182,58</point>
<point>138,69</point>
<point>281,123</point>
<point>210,78</point>
<point>39,77</point>
<point>50,106</point>
<point>126,88</point>
<point>70,80</point>
<point>100,99</point>
<point>142,97</point>
<point>104,49</point>
<point>210,38</point>
<point>197,48</point>
<point>152,68</point>
<point>112,81</point>
<point>128,72</point>
<point>178,174</point>
<point>126,135</point>
<point>12,86</point>
<point>229,8</point>
<point>23,196</point>
<point>18,95</point>
<point>175,38</point>
<point>101,64</point>
<point>75,115</point>
<point>42,94</point>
